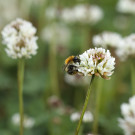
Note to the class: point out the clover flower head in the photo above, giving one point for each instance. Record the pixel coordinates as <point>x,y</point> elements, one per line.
<point>88,117</point>
<point>56,32</point>
<point>107,39</point>
<point>127,123</point>
<point>75,116</point>
<point>52,13</point>
<point>83,14</point>
<point>20,40</point>
<point>126,6</point>
<point>97,62</point>
<point>127,48</point>
<point>54,102</point>
<point>67,15</point>
<point>28,121</point>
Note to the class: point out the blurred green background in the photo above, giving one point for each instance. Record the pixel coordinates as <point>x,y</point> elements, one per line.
<point>45,77</point>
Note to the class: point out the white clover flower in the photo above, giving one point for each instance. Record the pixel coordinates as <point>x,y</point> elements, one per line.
<point>52,13</point>
<point>76,80</point>
<point>28,121</point>
<point>75,116</point>
<point>57,33</point>
<point>95,14</point>
<point>88,117</point>
<point>127,48</point>
<point>97,62</point>
<point>126,6</point>
<point>83,14</point>
<point>127,123</point>
<point>54,101</point>
<point>67,15</point>
<point>107,39</point>
<point>20,40</point>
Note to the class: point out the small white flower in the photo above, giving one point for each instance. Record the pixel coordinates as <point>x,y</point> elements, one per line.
<point>28,121</point>
<point>88,117</point>
<point>125,109</point>
<point>20,40</point>
<point>57,33</point>
<point>127,48</point>
<point>97,62</point>
<point>16,118</point>
<point>67,15</point>
<point>83,14</point>
<point>128,121</point>
<point>52,13</point>
<point>75,116</point>
<point>107,39</point>
<point>126,6</point>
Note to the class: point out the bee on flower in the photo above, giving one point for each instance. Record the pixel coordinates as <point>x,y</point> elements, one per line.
<point>97,61</point>
<point>70,68</point>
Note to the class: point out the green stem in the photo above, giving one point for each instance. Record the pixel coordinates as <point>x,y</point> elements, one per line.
<point>53,69</point>
<point>20,87</point>
<point>85,106</point>
<point>97,109</point>
<point>133,78</point>
<point>41,18</point>
<point>85,39</point>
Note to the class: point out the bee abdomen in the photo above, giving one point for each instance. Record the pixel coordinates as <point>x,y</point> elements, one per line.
<point>72,69</point>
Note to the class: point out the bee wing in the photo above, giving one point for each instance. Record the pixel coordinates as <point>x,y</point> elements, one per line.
<point>64,67</point>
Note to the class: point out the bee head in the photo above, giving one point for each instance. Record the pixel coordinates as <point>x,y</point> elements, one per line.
<point>76,59</point>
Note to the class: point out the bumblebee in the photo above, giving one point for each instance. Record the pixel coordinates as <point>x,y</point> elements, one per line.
<point>69,67</point>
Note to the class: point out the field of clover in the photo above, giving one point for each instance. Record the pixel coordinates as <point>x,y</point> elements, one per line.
<point>67,67</point>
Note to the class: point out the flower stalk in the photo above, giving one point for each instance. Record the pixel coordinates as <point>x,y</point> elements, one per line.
<point>133,78</point>
<point>85,40</point>
<point>53,69</point>
<point>85,105</point>
<point>20,88</point>
<point>97,109</point>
